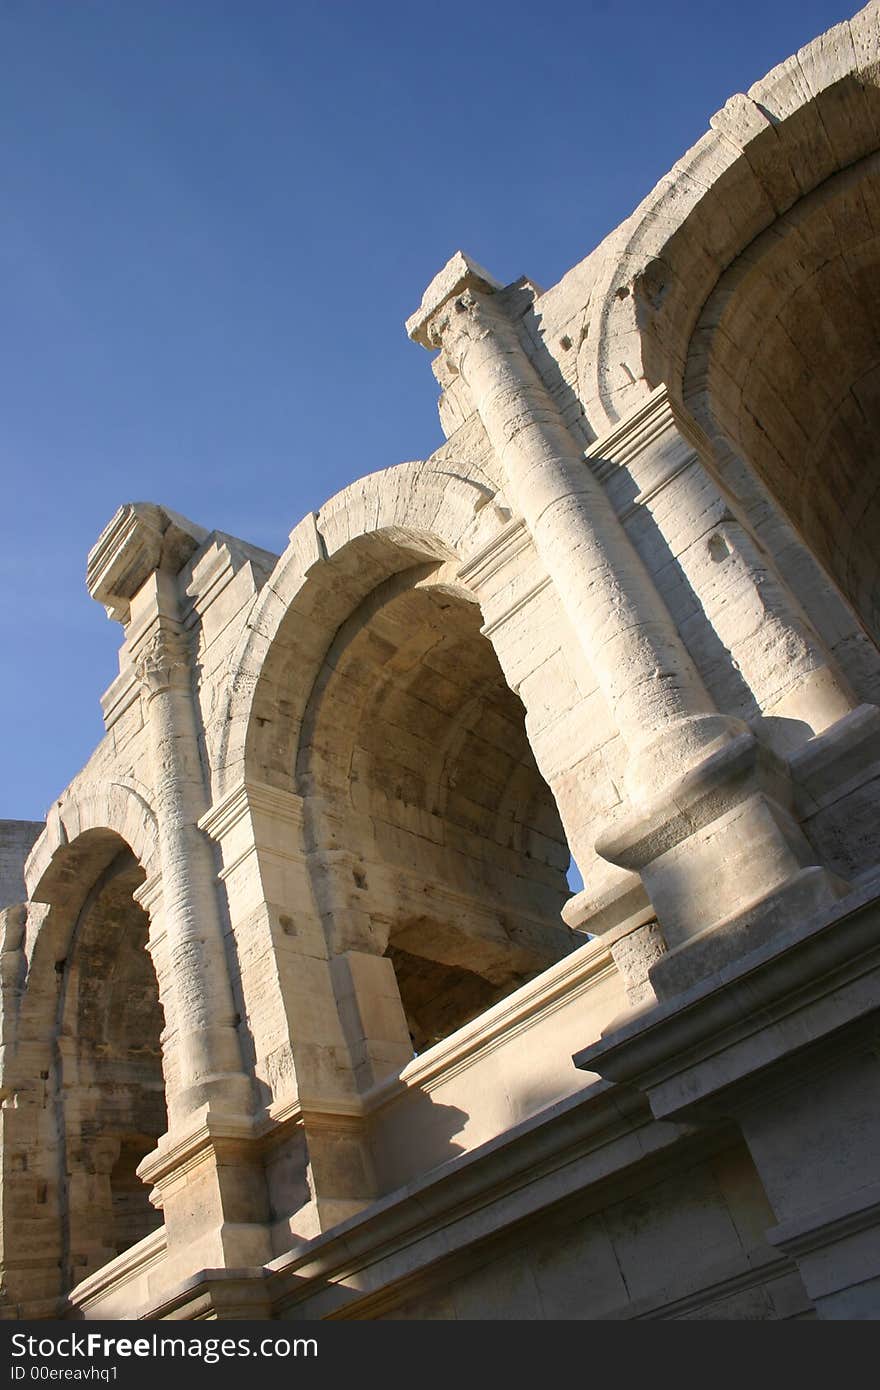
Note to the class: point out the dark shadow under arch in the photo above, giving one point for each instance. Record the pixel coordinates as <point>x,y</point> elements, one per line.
<point>785,371</point>
<point>111,1087</point>
<point>433,838</point>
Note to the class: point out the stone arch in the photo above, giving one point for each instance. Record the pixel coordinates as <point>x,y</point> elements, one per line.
<point>385,555</point>
<point>675,276</point>
<point>784,370</point>
<point>84,833</point>
<point>433,840</point>
<point>111,1086</point>
<point>811,117</point>
<point>121,807</point>
<point>87,1065</point>
<point>414,513</point>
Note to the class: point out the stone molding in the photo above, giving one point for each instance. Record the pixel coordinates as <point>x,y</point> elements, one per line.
<point>162,660</point>
<point>508,543</point>
<point>130,1265</point>
<point>570,977</point>
<point>250,798</point>
<point>178,1154</point>
<point>686,1051</point>
<point>119,697</point>
<point>513,1177</point>
<point>642,427</point>
<point>488,629</point>
<point>149,894</point>
<point>859,1211</point>
<point>138,539</point>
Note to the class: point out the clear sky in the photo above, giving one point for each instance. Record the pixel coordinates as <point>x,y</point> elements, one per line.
<point>216,216</point>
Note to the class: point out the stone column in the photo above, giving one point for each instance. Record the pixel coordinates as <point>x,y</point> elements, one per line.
<point>652,687</point>
<point>656,467</point>
<point>207,1172</point>
<point>209,1064</point>
<point>709,826</point>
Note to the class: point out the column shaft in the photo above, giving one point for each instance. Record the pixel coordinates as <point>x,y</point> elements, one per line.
<point>210,1064</point>
<point>639,661</point>
<point>709,827</point>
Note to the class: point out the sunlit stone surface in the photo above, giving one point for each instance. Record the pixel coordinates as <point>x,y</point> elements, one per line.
<point>299,1014</point>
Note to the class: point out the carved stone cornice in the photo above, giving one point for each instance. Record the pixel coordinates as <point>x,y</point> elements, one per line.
<point>139,539</point>
<point>251,798</point>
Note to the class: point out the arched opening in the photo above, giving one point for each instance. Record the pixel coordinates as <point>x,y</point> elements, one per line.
<point>434,840</point>
<point>112,1094</point>
<point>785,366</point>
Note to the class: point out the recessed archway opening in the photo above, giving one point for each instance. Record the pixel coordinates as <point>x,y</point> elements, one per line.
<point>112,1084</point>
<point>438,998</point>
<point>436,841</point>
<point>785,365</point>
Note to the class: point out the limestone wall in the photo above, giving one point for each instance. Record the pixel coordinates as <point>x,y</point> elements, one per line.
<point>689,1247</point>
<point>627,612</point>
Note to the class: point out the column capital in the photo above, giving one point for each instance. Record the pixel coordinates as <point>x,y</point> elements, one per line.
<point>140,538</point>
<point>162,660</point>
<point>459,277</point>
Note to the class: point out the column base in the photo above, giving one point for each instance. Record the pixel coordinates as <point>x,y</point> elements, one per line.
<point>210,1185</point>
<point>724,834</point>
<point>806,893</point>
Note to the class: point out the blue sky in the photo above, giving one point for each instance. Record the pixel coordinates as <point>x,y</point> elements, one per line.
<point>215,218</point>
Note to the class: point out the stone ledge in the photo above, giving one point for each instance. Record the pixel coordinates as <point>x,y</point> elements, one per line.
<point>574,974</point>
<point>569,978</point>
<point>132,1263</point>
<point>642,427</point>
<point>597,1134</point>
<point>223,1294</point>
<point>247,798</point>
<point>177,1154</point>
<point>760,1011</point>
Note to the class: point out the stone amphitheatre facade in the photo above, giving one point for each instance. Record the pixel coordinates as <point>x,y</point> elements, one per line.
<point>299,1017</point>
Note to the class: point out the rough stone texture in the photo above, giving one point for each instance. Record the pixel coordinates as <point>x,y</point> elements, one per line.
<point>17,839</point>
<point>293,997</point>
